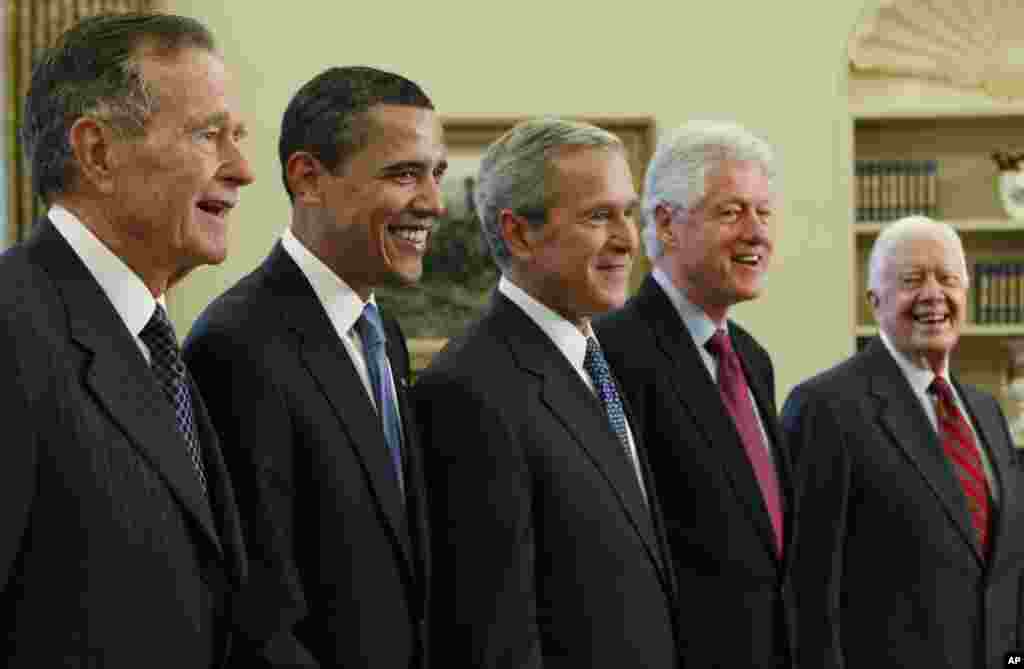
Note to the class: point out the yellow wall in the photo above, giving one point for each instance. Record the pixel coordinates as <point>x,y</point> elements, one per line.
<point>778,67</point>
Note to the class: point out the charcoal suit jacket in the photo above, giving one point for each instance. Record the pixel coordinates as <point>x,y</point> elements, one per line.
<point>546,553</point>
<point>110,554</point>
<point>887,569</point>
<point>736,604</point>
<point>339,554</point>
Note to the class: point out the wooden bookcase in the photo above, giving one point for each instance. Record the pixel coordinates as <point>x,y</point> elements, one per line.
<point>903,119</point>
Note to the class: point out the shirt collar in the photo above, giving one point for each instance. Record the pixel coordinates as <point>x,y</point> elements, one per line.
<point>919,378</point>
<point>342,304</point>
<point>566,336</point>
<point>701,327</point>
<point>123,287</point>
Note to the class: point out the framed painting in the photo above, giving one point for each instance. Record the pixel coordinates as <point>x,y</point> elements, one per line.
<point>458,273</point>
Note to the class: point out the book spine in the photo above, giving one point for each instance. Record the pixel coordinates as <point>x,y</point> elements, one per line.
<point>981,293</point>
<point>858,190</point>
<point>1019,282</point>
<point>931,205</point>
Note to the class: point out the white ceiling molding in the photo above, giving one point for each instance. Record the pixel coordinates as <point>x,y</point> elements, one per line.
<point>973,44</point>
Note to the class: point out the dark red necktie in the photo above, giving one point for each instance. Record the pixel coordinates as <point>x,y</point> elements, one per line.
<point>962,450</point>
<point>732,384</point>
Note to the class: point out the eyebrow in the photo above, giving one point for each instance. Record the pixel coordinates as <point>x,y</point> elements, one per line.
<point>219,119</point>
<point>605,204</point>
<point>421,165</point>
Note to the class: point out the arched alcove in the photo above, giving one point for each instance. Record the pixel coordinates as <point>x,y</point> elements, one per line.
<point>941,82</point>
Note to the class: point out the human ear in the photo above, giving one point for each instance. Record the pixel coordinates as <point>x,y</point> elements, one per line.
<point>303,172</point>
<point>95,148</point>
<point>515,231</point>
<point>663,225</point>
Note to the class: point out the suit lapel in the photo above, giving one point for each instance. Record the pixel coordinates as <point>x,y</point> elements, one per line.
<point>902,416</point>
<point>328,362</point>
<point>219,486</point>
<point>579,411</point>
<point>416,515</point>
<point>696,391</point>
<point>117,375</point>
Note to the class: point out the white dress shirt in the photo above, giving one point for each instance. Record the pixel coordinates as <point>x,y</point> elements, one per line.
<point>568,339</point>
<point>919,380</point>
<point>342,304</point>
<point>127,293</point>
<point>701,329</point>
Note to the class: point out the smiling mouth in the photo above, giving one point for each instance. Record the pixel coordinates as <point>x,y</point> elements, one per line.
<point>416,235</point>
<point>748,259</point>
<point>930,319</point>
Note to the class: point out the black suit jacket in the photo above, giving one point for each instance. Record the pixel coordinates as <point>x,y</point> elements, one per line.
<point>736,604</point>
<point>545,550</point>
<point>339,560</point>
<point>110,555</point>
<point>887,571</point>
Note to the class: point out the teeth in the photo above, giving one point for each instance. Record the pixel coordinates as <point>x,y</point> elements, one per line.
<point>751,258</point>
<point>930,319</point>
<point>415,235</point>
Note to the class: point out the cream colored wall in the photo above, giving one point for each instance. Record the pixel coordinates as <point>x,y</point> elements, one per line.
<point>777,67</point>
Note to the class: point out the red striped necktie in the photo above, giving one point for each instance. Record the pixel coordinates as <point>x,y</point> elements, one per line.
<point>732,384</point>
<point>962,450</point>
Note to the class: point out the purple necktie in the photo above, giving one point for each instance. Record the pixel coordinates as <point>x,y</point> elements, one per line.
<point>736,395</point>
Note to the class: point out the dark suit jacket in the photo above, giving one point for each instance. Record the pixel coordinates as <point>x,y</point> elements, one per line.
<point>736,604</point>
<point>339,561</point>
<point>545,550</point>
<point>110,556</point>
<point>887,571</point>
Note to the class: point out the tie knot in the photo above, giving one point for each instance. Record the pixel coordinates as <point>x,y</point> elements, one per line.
<point>940,388</point>
<point>719,344</point>
<point>158,334</point>
<point>370,327</point>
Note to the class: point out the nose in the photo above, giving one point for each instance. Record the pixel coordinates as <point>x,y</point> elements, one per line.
<point>236,168</point>
<point>756,227</point>
<point>429,201</point>
<point>931,289</point>
<point>624,236</point>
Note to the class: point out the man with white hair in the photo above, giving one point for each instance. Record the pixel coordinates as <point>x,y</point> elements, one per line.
<point>704,392</point>
<point>910,544</point>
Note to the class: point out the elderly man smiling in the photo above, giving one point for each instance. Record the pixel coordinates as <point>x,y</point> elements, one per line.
<point>910,543</point>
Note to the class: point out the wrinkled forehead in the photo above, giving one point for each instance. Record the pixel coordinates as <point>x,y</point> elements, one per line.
<point>925,251</point>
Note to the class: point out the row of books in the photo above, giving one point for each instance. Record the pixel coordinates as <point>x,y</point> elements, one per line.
<point>890,189</point>
<point>999,292</point>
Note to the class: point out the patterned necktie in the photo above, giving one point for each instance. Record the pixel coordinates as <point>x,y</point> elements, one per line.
<point>371,332</point>
<point>962,450</point>
<point>596,366</point>
<point>169,369</point>
<point>732,384</point>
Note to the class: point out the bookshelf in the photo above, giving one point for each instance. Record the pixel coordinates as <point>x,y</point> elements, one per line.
<point>902,120</point>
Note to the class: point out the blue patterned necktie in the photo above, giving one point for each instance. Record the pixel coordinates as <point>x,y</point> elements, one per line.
<point>595,365</point>
<point>169,369</point>
<point>371,332</point>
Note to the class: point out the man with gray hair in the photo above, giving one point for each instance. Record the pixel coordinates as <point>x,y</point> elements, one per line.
<point>120,543</point>
<point>548,541</point>
<point>911,541</point>
<point>704,392</point>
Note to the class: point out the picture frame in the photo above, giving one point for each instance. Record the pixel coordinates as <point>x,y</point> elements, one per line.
<point>459,275</point>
